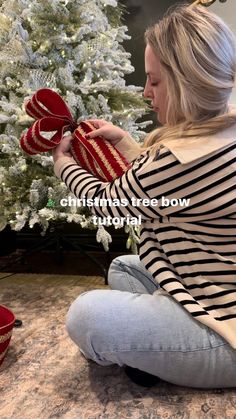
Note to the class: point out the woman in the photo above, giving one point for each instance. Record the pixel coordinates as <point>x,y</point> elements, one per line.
<point>171,311</point>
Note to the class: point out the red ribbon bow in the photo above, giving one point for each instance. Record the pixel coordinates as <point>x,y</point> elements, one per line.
<point>51,114</point>
<point>97,155</point>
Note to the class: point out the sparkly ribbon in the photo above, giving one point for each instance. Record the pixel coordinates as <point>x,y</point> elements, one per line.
<point>5,337</point>
<point>51,113</point>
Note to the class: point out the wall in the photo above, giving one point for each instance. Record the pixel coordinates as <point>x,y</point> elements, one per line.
<point>227,11</point>
<point>141,14</point>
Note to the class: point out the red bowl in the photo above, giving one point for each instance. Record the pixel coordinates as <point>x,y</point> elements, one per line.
<point>7,320</point>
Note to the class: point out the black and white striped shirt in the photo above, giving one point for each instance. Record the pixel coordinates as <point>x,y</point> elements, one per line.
<point>190,250</point>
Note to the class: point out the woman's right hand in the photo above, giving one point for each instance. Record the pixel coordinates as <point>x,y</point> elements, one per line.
<point>106,130</point>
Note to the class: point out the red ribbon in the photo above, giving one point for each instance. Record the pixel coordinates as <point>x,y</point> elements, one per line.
<point>51,114</point>
<point>97,155</point>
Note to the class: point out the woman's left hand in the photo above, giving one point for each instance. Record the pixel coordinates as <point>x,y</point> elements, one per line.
<point>63,149</point>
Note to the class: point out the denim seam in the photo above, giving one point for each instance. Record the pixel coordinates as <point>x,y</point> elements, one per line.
<point>165,351</point>
<point>130,283</point>
<point>137,270</point>
<point>134,291</point>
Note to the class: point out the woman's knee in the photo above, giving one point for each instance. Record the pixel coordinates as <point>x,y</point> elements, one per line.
<point>114,269</point>
<point>85,318</point>
<point>118,267</point>
<point>74,318</point>
<point>127,273</point>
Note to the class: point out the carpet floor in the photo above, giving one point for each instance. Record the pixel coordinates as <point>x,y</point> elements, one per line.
<point>44,376</point>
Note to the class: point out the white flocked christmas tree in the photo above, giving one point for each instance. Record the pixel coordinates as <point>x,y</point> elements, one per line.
<point>75,48</point>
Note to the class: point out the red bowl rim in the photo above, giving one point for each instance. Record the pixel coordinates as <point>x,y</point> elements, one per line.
<point>11,312</point>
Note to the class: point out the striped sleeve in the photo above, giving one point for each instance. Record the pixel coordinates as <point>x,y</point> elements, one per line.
<point>125,194</point>
<point>129,148</point>
<point>160,186</point>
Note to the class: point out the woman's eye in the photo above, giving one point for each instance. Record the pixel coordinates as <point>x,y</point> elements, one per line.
<point>154,84</point>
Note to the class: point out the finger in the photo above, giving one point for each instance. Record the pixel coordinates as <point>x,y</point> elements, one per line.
<point>67,142</point>
<point>67,138</point>
<point>95,133</point>
<point>96,122</point>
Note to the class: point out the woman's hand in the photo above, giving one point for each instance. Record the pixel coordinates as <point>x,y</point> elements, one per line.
<point>107,130</point>
<point>103,128</point>
<point>63,149</point>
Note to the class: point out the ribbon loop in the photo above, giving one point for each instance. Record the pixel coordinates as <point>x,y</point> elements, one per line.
<point>51,114</point>
<point>46,102</point>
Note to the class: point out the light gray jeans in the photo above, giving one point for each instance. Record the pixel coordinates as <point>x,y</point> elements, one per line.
<point>127,325</point>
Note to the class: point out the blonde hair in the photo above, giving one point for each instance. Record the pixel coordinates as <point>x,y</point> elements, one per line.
<point>197,52</point>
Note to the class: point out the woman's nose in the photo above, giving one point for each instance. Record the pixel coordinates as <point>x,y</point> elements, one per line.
<point>147,91</point>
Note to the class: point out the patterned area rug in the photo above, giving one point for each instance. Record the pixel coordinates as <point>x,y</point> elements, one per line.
<point>44,376</point>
